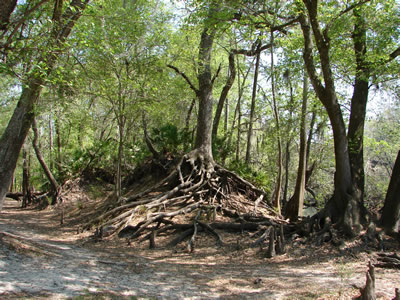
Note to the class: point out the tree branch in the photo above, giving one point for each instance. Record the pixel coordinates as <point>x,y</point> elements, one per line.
<point>22,20</point>
<point>147,138</point>
<point>345,11</point>
<point>184,77</point>
<point>394,54</point>
<point>251,52</point>
<point>216,74</point>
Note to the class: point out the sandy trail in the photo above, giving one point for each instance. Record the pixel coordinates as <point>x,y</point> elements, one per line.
<point>40,259</point>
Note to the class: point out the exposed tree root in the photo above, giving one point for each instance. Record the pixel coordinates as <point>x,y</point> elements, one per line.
<point>391,261</point>
<point>368,292</point>
<point>196,196</point>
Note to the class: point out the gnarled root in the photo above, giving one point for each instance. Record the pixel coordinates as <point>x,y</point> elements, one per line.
<point>196,196</point>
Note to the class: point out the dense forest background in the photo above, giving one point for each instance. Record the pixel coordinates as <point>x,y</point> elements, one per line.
<point>114,82</point>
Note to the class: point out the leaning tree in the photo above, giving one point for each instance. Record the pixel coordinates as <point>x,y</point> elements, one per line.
<point>63,18</point>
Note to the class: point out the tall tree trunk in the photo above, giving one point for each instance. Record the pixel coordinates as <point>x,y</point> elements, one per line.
<point>14,135</point>
<point>310,136</point>
<point>59,146</point>
<point>118,181</point>
<point>390,218</point>
<point>226,116</point>
<point>288,139</point>
<point>47,171</point>
<point>252,108</point>
<point>295,205</point>
<point>224,94</point>
<point>203,141</point>
<point>189,114</point>
<point>286,183</point>
<point>26,188</point>
<point>237,116</point>
<point>51,162</point>
<point>343,207</point>
<point>358,104</point>
<point>278,184</point>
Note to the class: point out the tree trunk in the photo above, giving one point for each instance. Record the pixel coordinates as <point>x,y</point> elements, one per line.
<point>14,135</point>
<point>59,146</point>
<point>278,185</point>
<point>226,115</point>
<point>147,139</point>
<point>6,9</point>
<point>118,181</point>
<point>47,171</point>
<point>310,137</point>
<point>51,162</point>
<point>26,189</point>
<point>288,140</point>
<point>358,105</point>
<point>224,94</point>
<point>390,218</point>
<point>343,207</point>
<point>239,111</point>
<point>252,109</point>
<point>295,205</point>
<point>189,114</point>
<point>287,163</point>
<point>204,119</point>
<point>237,116</point>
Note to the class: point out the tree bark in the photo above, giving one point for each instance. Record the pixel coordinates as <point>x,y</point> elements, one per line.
<point>47,171</point>
<point>6,9</point>
<point>203,141</point>
<point>358,105</point>
<point>59,146</point>
<point>295,205</point>
<point>278,185</point>
<point>51,162</point>
<point>26,188</point>
<point>118,181</point>
<point>343,206</point>
<point>237,115</point>
<point>147,138</point>
<point>224,94</point>
<point>310,136</point>
<point>288,139</point>
<point>252,109</point>
<point>390,218</point>
<point>14,136</point>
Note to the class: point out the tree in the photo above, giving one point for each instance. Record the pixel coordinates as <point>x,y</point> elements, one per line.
<point>47,171</point>
<point>391,210</point>
<point>343,206</point>
<point>23,115</point>
<point>253,105</point>
<point>366,65</point>
<point>195,186</point>
<point>346,206</point>
<point>295,206</point>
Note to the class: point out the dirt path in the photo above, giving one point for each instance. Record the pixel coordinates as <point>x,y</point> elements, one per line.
<point>41,259</point>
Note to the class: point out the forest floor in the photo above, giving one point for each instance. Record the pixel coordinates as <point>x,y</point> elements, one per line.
<point>41,259</point>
